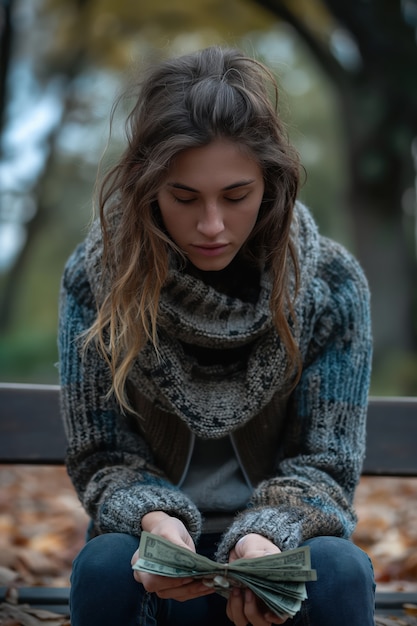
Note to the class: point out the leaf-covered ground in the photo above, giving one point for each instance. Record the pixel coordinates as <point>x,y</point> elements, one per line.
<point>42,527</point>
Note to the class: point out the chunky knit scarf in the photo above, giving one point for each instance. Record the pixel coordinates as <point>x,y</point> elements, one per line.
<point>215,401</point>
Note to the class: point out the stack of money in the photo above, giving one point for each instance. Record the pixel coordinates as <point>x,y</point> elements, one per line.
<point>277,579</point>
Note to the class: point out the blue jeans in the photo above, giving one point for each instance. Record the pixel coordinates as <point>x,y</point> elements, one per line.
<point>104,592</point>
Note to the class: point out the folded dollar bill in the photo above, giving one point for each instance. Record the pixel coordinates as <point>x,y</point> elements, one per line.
<point>277,579</point>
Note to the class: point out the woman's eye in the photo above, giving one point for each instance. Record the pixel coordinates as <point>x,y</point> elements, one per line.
<point>239,199</point>
<point>183,200</point>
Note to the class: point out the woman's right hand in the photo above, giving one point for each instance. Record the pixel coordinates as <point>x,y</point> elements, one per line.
<point>181,589</point>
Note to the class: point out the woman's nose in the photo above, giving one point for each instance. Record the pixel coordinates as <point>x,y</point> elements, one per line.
<point>210,222</point>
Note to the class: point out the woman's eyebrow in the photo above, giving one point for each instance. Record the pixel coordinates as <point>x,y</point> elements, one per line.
<point>240,183</point>
<point>180,186</point>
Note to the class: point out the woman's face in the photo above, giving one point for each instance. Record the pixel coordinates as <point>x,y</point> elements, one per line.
<point>210,201</point>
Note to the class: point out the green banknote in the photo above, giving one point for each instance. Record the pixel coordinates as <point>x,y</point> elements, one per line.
<point>277,579</point>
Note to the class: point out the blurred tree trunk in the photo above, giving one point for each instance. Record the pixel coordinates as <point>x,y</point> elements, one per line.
<point>379,108</point>
<point>5,52</point>
<point>69,71</point>
<point>378,105</point>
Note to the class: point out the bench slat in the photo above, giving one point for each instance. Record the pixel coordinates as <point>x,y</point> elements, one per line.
<point>31,430</point>
<point>56,599</point>
<point>38,595</point>
<point>391,448</point>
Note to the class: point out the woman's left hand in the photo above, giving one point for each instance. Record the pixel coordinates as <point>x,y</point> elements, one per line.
<point>243,606</point>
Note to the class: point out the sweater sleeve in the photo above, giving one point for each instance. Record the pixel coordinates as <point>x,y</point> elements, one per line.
<point>108,462</point>
<point>323,448</point>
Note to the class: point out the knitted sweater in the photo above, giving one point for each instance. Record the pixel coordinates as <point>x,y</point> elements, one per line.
<point>302,450</point>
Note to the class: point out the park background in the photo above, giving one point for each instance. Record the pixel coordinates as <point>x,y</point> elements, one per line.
<point>348,77</point>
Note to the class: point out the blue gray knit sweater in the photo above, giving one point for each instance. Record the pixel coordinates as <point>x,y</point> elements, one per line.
<point>302,450</point>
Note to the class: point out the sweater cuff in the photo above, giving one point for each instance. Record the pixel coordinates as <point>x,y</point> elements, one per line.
<point>124,509</point>
<point>283,529</point>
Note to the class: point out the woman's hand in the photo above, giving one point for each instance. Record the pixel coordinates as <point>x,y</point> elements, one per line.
<point>243,606</point>
<point>181,589</point>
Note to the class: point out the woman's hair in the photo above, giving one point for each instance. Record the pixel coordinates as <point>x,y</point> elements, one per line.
<point>187,102</point>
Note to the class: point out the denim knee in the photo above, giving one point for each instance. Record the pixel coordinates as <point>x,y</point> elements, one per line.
<point>344,562</point>
<point>344,592</point>
<point>103,589</point>
<point>106,554</point>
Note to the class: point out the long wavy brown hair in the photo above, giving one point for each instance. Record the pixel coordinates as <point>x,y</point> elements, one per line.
<point>187,102</point>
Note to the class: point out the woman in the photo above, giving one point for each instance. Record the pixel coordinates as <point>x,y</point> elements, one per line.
<point>214,359</point>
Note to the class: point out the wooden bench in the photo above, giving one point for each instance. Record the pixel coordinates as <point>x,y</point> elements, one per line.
<point>31,432</point>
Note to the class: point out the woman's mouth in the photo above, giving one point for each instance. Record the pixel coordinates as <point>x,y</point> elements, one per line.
<point>210,249</point>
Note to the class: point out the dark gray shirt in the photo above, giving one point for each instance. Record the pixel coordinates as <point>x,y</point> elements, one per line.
<point>214,480</point>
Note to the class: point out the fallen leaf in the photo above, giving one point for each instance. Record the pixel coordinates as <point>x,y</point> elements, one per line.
<point>410,609</point>
<point>7,576</point>
<point>24,615</point>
